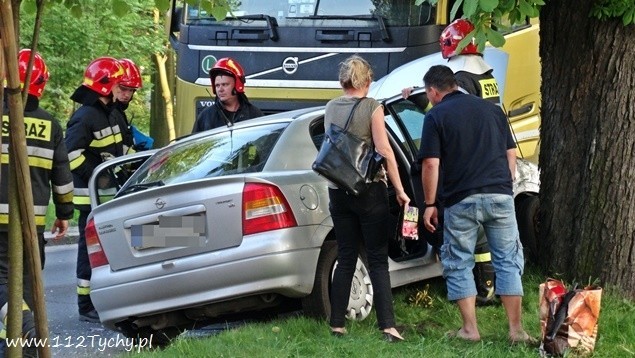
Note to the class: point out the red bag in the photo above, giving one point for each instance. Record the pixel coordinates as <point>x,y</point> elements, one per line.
<point>568,318</point>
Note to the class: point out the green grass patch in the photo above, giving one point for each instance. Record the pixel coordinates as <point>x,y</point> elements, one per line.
<point>426,325</point>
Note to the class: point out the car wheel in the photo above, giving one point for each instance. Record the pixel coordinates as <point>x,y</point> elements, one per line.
<point>527,218</point>
<point>318,304</point>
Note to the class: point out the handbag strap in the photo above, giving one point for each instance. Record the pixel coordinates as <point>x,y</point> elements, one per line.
<point>352,112</point>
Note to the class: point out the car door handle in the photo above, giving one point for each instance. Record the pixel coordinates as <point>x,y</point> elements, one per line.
<point>526,108</point>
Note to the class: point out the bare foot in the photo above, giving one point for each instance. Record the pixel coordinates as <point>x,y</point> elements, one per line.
<point>462,334</point>
<point>521,337</point>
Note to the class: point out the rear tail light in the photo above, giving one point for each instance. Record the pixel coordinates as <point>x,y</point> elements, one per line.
<point>265,209</point>
<point>96,254</point>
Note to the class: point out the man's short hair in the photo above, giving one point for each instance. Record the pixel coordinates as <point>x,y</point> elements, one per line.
<point>440,77</point>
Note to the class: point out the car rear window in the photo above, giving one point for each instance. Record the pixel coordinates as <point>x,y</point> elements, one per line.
<point>243,150</point>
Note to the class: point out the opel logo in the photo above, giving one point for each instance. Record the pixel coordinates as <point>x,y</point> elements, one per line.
<point>290,65</point>
<point>159,203</point>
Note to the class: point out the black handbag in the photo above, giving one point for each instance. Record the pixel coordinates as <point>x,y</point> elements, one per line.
<point>346,160</point>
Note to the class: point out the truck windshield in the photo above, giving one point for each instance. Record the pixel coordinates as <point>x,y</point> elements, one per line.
<point>287,12</point>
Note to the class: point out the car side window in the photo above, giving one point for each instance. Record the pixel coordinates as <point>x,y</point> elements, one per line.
<point>405,120</point>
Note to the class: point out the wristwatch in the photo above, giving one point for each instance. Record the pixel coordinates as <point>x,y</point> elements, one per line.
<point>430,205</point>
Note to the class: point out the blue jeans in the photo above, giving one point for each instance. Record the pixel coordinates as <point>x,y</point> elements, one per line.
<point>361,220</point>
<point>495,212</point>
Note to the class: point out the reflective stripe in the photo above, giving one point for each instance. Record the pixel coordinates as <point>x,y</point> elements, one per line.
<point>486,257</point>
<point>63,189</point>
<point>83,290</point>
<point>64,198</point>
<point>37,209</point>
<point>108,131</point>
<point>40,220</point>
<point>37,157</point>
<point>75,154</point>
<point>110,140</point>
<point>81,196</point>
<point>33,150</point>
<point>83,283</point>
<point>75,163</point>
<point>81,200</point>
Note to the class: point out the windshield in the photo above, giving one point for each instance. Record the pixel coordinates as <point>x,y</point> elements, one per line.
<point>243,150</point>
<point>394,12</point>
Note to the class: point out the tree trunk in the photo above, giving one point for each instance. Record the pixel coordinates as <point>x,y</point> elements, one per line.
<point>587,218</point>
<point>21,194</point>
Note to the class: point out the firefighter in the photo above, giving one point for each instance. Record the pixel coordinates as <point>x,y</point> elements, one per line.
<point>93,135</point>
<point>123,93</point>
<point>49,170</point>
<point>471,71</point>
<point>474,76</point>
<point>231,104</point>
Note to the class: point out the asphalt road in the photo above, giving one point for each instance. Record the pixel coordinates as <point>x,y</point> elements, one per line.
<point>68,336</point>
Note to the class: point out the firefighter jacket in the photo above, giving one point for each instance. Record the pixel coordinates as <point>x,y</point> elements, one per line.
<point>93,135</point>
<point>48,163</point>
<point>474,76</point>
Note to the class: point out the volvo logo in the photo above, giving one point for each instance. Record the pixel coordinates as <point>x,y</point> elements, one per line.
<point>159,203</point>
<point>290,65</point>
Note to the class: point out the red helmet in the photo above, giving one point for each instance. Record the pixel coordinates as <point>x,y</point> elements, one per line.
<point>133,75</point>
<point>228,66</point>
<point>452,35</point>
<point>102,74</point>
<point>39,72</point>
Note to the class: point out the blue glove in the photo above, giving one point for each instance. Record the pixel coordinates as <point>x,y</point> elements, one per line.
<point>141,141</point>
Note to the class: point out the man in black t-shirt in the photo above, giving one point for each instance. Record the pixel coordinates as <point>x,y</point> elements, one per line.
<point>467,141</point>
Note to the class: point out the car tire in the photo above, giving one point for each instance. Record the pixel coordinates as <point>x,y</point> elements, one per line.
<point>318,304</point>
<point>527,218</point>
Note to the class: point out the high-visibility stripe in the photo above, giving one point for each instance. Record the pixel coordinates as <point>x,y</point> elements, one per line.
<point>83,283</point>
<point>63,189</point>
<point>81,200</point>
<point>64,198</point>
<point>33,162</point>
<point>75,154</point>
<point>486,257</point>
<point>37,209</point>
<point>83,290</point>
<point>75,163</point>
<point>40,220</point>
<point>104,142</point>
<point>33,150</point>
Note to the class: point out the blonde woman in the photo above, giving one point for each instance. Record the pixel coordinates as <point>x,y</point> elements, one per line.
<point>363,218</point>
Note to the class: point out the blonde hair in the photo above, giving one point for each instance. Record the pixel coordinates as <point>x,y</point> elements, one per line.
<point>355,72</point>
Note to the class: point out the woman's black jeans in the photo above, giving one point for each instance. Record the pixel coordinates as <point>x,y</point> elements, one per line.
<point>358,219</point>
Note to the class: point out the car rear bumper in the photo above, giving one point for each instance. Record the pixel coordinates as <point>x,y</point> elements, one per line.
<point>272,262</point>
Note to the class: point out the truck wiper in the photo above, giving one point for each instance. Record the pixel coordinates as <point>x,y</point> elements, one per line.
<point>272,23</point>
<point>139,187</point>
<point>385,36</point>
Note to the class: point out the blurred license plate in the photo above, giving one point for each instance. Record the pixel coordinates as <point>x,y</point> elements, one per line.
<point>171,231</point>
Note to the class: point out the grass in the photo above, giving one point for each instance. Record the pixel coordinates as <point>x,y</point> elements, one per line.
<point>426,325</point>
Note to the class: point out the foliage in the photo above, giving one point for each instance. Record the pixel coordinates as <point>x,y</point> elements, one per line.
<point>425,330</point>
<point>491,18</point>
<point>624,9</point>
<point>69,43</point>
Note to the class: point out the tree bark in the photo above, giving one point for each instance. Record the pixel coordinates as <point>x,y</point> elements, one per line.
<point>22,194</point>
<point>587,218</point>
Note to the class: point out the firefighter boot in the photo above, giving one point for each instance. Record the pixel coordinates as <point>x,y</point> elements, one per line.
<point>484,278</point>
<point>87,312</point>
